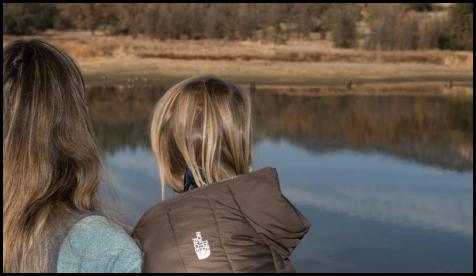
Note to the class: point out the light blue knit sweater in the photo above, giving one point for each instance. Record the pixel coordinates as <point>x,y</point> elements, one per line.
<point>96,245</point>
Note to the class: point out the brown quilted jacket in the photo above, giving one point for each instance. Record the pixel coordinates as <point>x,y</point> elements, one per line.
<point>244,224</point>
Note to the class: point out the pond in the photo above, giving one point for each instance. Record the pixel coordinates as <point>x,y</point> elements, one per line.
<point>386,181</point>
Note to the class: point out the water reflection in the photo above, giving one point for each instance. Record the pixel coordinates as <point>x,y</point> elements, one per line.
<point>434,131</point>
<point>374,186</point>
<point>428,130</point>
<point>385,181</point>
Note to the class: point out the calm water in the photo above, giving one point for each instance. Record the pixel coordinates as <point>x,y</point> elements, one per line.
<point>387,182</point>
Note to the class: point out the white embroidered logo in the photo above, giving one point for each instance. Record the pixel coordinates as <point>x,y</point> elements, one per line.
<point>202,249</point>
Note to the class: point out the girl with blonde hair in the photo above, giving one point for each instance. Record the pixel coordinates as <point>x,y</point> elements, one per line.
<point>227,219</point>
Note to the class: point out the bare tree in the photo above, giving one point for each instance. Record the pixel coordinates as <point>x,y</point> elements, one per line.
<point>391,28</point>
<point>343,24</point>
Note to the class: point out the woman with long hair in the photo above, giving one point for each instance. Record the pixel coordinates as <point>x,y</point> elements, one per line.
<point>228,218</point>
<point>52,219</point>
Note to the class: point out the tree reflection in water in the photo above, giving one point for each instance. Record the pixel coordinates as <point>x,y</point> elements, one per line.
<point>432,130</point>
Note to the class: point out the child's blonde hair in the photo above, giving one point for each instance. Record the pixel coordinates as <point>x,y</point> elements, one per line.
<point>203,123</point>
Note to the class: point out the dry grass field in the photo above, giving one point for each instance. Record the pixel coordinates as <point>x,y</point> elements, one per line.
<point>121,59</point>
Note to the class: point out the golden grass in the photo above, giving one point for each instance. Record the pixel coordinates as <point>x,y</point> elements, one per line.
<point>298,62</point>
<point>83,45</point>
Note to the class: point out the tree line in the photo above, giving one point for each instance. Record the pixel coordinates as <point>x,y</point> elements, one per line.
<point>370,26</point>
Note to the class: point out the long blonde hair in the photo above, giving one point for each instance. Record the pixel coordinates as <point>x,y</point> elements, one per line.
<point>203,123</point>
<point>51,165</point>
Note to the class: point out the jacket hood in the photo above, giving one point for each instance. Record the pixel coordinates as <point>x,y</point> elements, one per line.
<point>259,197</point>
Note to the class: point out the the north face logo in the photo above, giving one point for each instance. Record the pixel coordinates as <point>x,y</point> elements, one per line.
<point>202,249</point>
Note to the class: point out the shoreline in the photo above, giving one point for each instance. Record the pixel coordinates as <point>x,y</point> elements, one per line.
<point>104,78</point>
<point>419,89</point>
<point>132,70</point>
<point>407,79</point>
